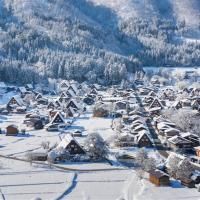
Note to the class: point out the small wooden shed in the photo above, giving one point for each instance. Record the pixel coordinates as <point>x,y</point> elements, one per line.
<point>159,177</point>
<point>12,130</point>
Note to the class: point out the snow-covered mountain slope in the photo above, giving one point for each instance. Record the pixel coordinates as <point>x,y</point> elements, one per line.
<point>100,40</point>
<point>188,10</point>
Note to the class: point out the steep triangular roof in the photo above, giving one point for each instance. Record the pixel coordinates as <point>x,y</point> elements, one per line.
<point>18,100</point>
<point>64,84</point>
<point>58,118</point>
<point>71,103</point>
<point>156,103</point>
<point>22,89</point>
<point>73,88</point>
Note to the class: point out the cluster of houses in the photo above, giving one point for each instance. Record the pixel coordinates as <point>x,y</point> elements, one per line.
<point>174,138</point>
<point>44,110</point>
<point>155,99</point>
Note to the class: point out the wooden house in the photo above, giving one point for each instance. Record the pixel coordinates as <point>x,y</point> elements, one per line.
<point>70,144</point>
<point>177,105</point>
<point>72,103</point>
<point>191,137</point>
<point>14,102</point>
<point>195,105</point>
<point>42,101</point>
<point>93,91</point>
<point>142,139</point>
<point>156,104</point>
<point>179,143</point>
<point>64,85</point>
<point>159,178</point>
<point>51,105</point>
<point>12,130</point>
<point>57,119</point>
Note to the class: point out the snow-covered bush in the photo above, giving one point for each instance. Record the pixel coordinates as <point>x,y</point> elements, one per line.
<point>182,84</point>
<point>58,154</point>
<point>45,144</point>
<point>185,169</point>
<point>100,110</point>
<point>119,140</point>
<point>145,162</point>
<point>95,146</point>
<point>172,164</point>
<point>52,155</point>
<point>184,120</point>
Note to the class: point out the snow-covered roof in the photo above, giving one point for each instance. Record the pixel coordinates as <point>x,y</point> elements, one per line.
<point>64,83</point>
<point>140,134</point>
<point>66,140</point>
<point>57,114</point>
<point>73,88</point>
<point>188,134</point>
<point>13,126</point>
<point>178,140</point>
<point>18,100</point>
<point>172,129</point>
<point>75,103</point>
<point>166,125</point>
<point>71,110</point>
<point>30,86</point>
<point>175,103</point>
<point>140,126</point>
<point>154,109</point>
<point>139,121</point>
<point>22,89</point>
<point>71,92</point>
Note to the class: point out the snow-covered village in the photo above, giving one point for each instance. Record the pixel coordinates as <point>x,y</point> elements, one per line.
<point>136,140</point>
<point>100,99</point>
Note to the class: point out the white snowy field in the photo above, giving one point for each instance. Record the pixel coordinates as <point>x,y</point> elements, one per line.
<point>19,145</point>
<point>20,181</point>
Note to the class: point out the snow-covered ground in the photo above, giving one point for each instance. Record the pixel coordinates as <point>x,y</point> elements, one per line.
<point>22,181</point>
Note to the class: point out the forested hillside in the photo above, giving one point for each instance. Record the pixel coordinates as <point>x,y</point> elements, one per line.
<point>96,40</point>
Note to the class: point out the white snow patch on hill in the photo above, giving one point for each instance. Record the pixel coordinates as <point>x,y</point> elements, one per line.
<point>180,10</point>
